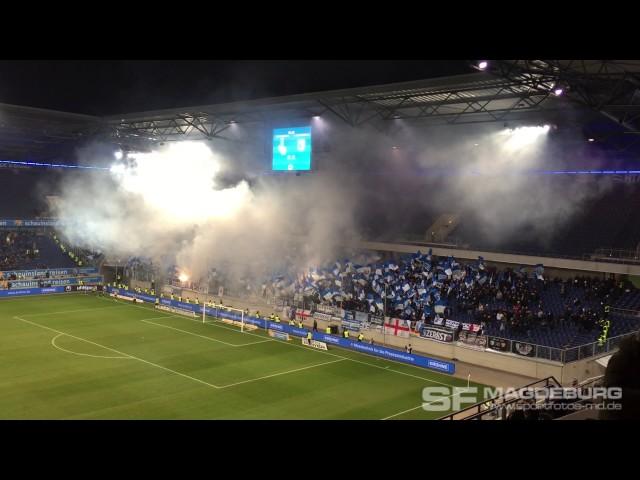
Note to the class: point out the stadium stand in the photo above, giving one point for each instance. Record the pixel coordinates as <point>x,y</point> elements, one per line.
<point>21,249</point>
<point>511,304</point>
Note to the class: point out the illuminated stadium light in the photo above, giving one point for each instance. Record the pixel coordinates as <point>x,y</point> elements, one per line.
<point>558,91</point>
<point>183,277</point>
<point>592,139</point>
<point>118,154</point>
<point>316,117</point>
<point>395,147</point>
<point>483,65</point>
<point>520,137</point>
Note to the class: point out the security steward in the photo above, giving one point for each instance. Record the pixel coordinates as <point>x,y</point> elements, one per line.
<point>345,333</point>
<point>360,337</point>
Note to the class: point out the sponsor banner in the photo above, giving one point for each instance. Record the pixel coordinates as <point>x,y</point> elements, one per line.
<point>298,332</point>
<point>439,321</point>
<point>31,291</point>
<point>525,349</point>
<point>29,223</point>
<point>397,327</point>
<point>437,333</point>
<point>83,288</point>
<point>314,344</point>
<point>53,282</point>
<point>278,335</point>
<point>388,353</point>
<point>53,272</point>
<point>499,344</point>
<point>383,352</point>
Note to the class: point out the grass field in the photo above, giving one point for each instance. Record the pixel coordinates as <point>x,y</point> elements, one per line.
<point>77,356</point>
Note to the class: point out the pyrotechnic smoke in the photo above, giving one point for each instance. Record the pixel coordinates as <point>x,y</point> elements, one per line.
<point>206,205</point>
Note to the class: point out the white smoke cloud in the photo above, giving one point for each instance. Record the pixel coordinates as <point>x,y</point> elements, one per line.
<point>172,202</point>
<point>205,206</point>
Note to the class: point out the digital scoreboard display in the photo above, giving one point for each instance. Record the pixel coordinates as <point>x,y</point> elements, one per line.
<point>291,149</point>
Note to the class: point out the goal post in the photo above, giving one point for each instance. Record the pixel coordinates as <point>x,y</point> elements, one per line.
<point>223,308</point>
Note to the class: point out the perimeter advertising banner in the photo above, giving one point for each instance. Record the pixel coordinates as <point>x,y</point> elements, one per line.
<point>378,351</point>
<point>53,272</point>
<point>53,282</point>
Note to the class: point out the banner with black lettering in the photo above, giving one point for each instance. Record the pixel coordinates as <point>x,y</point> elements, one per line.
<point>436,333</point>
<point>524,349</point>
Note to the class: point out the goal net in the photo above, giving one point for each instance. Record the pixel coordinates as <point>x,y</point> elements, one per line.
<point>228,315</point>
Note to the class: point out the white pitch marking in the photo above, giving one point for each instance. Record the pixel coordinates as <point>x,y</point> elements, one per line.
<point>53,342</point>
<point>70,311</point>
<point>322,352</point>
<point>281,373</point>
<point>422,405</point>
<point>202,336</point>
<point>120,353</point>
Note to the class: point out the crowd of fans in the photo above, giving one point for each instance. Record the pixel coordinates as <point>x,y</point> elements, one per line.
<point>17,248</point>
<point>423,289</point>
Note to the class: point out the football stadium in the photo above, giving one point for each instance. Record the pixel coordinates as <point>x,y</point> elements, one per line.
<point>459,247</point>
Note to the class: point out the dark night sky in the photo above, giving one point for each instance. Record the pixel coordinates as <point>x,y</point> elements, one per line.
<point>111,87</point>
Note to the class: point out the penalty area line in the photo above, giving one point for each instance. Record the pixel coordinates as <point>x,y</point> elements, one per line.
<point>120,353</point>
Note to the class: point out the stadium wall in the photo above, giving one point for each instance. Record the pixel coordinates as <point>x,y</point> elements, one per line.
<point>505,362</point>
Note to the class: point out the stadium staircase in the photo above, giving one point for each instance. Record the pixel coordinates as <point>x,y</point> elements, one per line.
<point>51,254</point>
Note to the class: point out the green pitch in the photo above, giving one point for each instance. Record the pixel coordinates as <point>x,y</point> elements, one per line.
<point>80,356</point>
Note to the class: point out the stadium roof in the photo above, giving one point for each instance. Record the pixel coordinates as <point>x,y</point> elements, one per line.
<point>508,90</point>
<point>477,97</point>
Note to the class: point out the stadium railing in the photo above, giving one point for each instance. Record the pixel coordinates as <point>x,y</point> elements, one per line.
<point>545,352</point>
<point>564,355</point>
<point>490,408</point>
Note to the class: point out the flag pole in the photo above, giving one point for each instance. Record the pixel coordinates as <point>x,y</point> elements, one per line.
<point>384,316</point>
